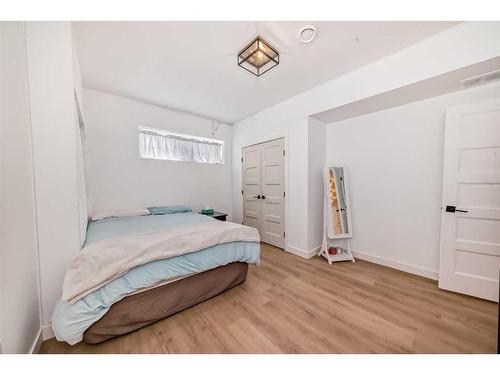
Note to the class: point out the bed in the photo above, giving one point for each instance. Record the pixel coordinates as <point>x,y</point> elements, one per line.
<point>133,271</point>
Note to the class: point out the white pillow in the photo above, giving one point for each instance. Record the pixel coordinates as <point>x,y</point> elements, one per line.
<point>121,213</point>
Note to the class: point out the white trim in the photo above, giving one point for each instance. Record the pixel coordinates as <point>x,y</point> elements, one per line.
<point>301,253</point>
<point>34,187</point>
<point>37,343</point>
<point>263,139</point>
<point>47,332</point>
<point>417,270</point>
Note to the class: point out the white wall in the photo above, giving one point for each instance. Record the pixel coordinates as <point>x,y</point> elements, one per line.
<point>394,160</point>
<point>77,76</point>
<point>53,120</point>
<point>119,178</point>
<point>267,127</point>
<point>19,299</point>
<point>316,163</point>
<point>463,45</point>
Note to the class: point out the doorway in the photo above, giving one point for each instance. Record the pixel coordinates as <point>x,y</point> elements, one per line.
<point>263,174</point>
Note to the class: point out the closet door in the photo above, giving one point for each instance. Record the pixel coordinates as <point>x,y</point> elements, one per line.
<point>272,193</point>
<point>264,190</point>
<point>252,210</point>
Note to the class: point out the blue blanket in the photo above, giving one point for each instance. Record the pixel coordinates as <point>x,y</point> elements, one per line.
<point>70,321</point>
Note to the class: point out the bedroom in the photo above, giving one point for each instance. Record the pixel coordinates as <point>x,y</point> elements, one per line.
<point>250,187</point>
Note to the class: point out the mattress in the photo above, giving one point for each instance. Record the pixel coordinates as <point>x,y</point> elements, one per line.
<point>139,310</point>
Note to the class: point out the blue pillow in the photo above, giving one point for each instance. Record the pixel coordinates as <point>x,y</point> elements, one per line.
<point>163,210</point>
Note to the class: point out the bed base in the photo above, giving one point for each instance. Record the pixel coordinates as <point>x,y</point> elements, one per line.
<point>141,309</point>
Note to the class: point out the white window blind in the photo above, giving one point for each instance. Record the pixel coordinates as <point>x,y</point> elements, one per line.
<point>164,145</point>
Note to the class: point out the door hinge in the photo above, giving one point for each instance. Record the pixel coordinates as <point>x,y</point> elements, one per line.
<point>284,195</point>
<point>283,152</point>
<point>242,192</point>
<point>242,159</point>
<point>284,234</point>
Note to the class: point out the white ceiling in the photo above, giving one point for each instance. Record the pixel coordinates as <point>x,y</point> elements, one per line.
<point>191,66</point>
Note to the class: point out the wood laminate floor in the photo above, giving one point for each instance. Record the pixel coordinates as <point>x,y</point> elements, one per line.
<point>293,305</point>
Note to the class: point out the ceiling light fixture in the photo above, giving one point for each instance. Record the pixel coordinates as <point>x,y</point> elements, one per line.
<point>307,33</point>
<point>258,57</point>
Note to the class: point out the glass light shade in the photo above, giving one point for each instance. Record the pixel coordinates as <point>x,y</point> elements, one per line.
<point>258,57</point>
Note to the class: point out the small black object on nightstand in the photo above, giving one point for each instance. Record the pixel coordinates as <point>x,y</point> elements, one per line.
<point>217,215</point>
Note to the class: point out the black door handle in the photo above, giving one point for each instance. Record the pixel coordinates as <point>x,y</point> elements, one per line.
<point>454,209</point>
<point>257,196</point>
<point>263,197</point>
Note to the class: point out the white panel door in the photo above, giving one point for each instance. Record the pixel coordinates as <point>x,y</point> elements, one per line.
<point>252,210</point>
<point>264,190</point>
<point>272,193</point>
<point>470,223</point>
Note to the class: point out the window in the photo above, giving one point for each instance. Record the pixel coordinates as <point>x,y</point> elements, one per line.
<point>164,145</point>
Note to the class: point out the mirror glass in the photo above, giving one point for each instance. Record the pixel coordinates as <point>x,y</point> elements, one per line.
<point>338,214</point>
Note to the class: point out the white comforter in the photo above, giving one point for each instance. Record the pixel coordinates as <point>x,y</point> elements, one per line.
<point>104,261</point>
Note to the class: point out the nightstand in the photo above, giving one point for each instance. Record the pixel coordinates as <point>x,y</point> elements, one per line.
<point>217,215</point>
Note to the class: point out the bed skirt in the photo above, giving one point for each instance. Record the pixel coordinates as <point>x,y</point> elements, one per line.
<point>139,310</point>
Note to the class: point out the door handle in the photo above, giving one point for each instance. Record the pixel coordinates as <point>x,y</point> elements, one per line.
<point>454,209</point>
<point>263,197</point>
<point>257,196</point>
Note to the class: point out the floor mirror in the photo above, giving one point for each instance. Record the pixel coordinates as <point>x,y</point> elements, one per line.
<point>337,216</point>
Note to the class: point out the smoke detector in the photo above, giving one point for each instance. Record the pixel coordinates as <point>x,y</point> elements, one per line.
<point>307,33</point>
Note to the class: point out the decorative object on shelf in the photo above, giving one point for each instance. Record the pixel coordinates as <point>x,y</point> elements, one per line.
<point>336,216</point>
<point>335,250</point>
<point>207,211</point>
<point>258,57</point>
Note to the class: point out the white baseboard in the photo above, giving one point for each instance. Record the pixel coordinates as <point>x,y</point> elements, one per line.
<point>417,270</point>
<point>37,343</point>
<point>421,271</point>
<point>47,332</point>
<point>302,253</point>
